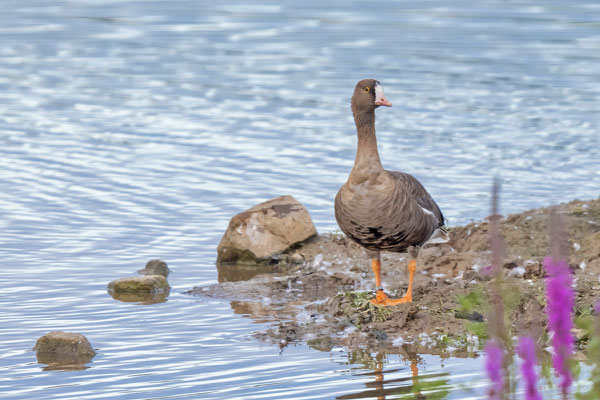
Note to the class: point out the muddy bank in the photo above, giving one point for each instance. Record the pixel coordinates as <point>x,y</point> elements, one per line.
<point>323,300</point>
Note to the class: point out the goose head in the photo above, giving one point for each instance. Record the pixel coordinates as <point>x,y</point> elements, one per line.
<point>368,95</point>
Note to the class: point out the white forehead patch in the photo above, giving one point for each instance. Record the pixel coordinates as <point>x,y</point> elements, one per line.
<point>378,91</point>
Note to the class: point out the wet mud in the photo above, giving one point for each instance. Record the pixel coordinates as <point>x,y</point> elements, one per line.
<point>319,292</point>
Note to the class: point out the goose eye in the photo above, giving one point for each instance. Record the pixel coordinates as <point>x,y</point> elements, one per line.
<point>367,89</point>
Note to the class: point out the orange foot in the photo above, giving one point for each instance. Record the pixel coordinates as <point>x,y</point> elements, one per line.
<point>381,299</point>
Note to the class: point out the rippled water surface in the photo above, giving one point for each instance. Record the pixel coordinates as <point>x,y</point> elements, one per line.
<point>132,130</point>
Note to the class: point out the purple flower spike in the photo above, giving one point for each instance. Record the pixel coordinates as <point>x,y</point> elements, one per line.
<point>560,296</point>
<point>526,350</point>
<point>597,307</point>
<point>493,365</point>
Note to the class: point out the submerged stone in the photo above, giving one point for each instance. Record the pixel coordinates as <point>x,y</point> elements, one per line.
<point>265,230</point>
<point>155,267</point>
<point>148,283</point>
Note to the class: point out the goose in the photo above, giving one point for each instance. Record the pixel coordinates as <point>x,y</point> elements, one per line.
<point>382,210</point>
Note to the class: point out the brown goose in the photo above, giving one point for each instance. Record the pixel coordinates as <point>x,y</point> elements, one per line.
<point>380,209</point>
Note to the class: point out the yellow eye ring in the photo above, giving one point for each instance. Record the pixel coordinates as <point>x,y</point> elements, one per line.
<point>367,89</point>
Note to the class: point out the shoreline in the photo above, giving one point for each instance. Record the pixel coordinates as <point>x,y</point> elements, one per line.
<point>323,300</point>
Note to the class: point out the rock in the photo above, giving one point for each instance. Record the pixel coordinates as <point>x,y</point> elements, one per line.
<point>64,350</point>
<point>64,343</point>
<point>282,259</point>
<point>148,283</point>
<point>297,258</point>
<point>580,334</point>
<point>155,267</point>
<point>265,230</point>
<point>474,316</point>
<point>379,334</point>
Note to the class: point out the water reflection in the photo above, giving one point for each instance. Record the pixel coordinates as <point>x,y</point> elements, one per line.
<point>145,298</point>
<point>263,312</point>
<point>387,381</point>
<point>244,272</point>
<point>409,385</point>
<point>61,362</point>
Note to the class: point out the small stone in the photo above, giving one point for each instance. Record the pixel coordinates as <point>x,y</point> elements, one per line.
<point>379,334</point>
<point>148,283</point>
<point>517,271</point>
<point>297,258</point>
<point>155,267</point>
<point>64,351</point>
<point>66,343</point>
<point>412,312</point>
<point>474,316</point>
<point>580,334</point>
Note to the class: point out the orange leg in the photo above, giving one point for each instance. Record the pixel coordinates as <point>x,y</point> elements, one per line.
<point>381,299</point>
<point>376,265</point>
<point>414,368</point>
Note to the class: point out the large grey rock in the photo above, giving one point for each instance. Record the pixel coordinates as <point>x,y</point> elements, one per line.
<point>147,283</point>
<point>265,230</point>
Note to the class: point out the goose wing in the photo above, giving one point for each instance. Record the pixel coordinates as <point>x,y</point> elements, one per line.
<point>417,193</point>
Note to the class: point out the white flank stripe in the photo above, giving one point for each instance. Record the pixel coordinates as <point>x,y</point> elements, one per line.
<point>426,211</point>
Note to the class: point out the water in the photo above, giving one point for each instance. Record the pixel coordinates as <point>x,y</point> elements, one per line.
<point>135,130</point>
